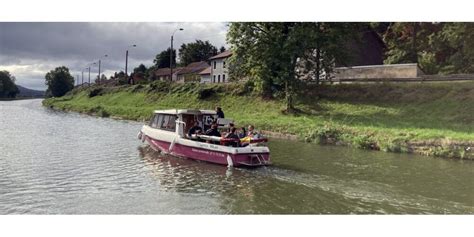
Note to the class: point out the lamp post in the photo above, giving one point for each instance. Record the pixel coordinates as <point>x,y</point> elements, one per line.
<point>99,67</point>
<point>126,58</point>
<point>89,75</point>
<point>171,54</point>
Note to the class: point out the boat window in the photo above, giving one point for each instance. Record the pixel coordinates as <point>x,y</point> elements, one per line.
<point>154,121</point>
<point>168,122</point>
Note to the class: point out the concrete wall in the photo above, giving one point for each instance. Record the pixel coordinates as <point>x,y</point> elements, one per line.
<point>206,78</point>
<point>219,71</point>
<point>379,71</point>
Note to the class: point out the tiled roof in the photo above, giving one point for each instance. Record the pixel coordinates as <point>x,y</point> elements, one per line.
<point>205,71</point>
<point>162,71</point>
<point>224,54</point>
<point>166,71</point>
<point>195,67</point>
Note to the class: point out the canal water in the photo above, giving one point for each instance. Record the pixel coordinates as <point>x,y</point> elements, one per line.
<point>67,163</point>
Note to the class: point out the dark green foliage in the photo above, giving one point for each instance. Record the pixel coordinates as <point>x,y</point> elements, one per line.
<point>140,69</point>
<point>96,92</point>
<point>8,89</point>
<point>205,93</point>
<point>196,51</point>
<point>275,54</point>
<point>162,60</point>
<point>59,81</point>
<point>446,47</point>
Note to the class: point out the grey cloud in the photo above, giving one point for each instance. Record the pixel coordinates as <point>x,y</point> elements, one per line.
<point>43,46</point>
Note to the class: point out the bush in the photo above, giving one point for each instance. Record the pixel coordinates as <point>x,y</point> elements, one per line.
<point>205,93</point>
<point>365,142</point>
<point>95,92</point>
<point>324,135</point>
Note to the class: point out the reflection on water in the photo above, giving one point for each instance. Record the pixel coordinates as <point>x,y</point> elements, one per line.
<point>73,164</point>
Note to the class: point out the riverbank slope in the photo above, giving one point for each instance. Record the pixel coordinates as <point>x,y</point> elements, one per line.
<point>433,119</point>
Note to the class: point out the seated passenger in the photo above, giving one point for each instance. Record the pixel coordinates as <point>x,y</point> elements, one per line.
<point>251,132</point>
<point>234,136</point>
<point>196,129</point>
<point>242,132</point>
<point>213,131</point>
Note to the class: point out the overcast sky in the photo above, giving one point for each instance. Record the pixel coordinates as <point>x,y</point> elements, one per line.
<point>30,50</point>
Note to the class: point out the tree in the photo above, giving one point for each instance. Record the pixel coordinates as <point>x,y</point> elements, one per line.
<point>8,89</point>
<point>272,52</point>
<point>196,51</point>
<point>162,60</point>
<point>103,78</point>
<point>140,69</point>
<point>436,47</point>
<point>59,81</point>
<point>222,49</point>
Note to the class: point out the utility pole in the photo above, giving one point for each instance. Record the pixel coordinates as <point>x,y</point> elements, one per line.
<point>89,75</point>
<point>171,55</point>
<point>82,77</point>
<point>126,59</point>
<point>126,62</point>
<point>98,79</point>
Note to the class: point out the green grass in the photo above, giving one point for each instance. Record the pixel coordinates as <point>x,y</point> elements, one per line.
<point>431,119</point>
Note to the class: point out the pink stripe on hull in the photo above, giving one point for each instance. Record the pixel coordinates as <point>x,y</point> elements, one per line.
<point>207,155</point>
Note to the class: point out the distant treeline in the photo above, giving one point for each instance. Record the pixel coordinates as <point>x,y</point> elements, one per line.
<point>8,89</point>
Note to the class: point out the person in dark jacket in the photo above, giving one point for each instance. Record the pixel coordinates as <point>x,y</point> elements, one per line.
<point>196,129</point>
<point>234,136</point>
<point>213,131</point>
<point>220,113</point>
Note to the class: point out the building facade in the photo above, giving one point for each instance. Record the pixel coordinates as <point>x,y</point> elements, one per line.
<point>219,67</point>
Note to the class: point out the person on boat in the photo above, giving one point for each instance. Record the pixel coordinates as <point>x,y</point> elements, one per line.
<point>196,129</point>
<point>251,132</point>
<point>219,112</point>
<point>213,131</point>
<point>234,136</point>
<point>242,132</point>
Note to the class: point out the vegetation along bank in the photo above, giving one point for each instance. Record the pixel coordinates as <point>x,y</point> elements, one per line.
<point>432,119</point>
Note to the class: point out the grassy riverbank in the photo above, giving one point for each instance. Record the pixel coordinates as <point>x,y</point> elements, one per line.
<point>431,119</point>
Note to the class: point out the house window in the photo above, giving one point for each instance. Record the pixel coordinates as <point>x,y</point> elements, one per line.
<point>215,64</point>
<point>223,66</point>
<point>218,78</point>
<point>214,81</point>
<point>223,78</point>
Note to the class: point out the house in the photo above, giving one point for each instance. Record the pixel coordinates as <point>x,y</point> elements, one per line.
<point>136,77</point>
<point>191,72</point>
<point>219,72</point>
<point>206,75</point>
<point>163,74</point>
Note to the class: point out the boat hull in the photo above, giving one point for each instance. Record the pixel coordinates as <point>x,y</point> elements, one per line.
<point>248,156</point>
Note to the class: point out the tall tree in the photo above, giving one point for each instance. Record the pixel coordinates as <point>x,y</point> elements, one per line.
<point>221,49</point>
<point>140,69</point>
<point>162,60</point>
<point>8,89</point>
<point>59,81</point>
<point>196,51</point>
<point>272,52</point>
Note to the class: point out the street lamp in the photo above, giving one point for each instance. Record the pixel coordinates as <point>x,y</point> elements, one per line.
<point>171,53</point>
<point>99,67</point>
<point>126,58</point>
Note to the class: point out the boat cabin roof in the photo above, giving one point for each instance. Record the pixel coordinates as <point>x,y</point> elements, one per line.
<point>185,111</point>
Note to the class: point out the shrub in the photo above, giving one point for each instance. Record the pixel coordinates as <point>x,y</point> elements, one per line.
<point>205,93</point>
<point>95,92</point>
